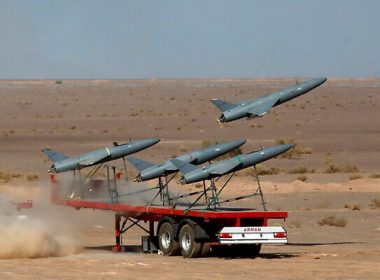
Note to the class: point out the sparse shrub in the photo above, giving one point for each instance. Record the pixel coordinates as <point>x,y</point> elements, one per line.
<point>333,221</point>
<point>5,177</point>
<point>355,176</point>
<point>32,177</point>
<point>350,169</point>
<point>353,207</point>
<point>302,178</point>
<point>332,168</point>
<point>296,223</point>
<point>296,152</point>
<point>375,203</point>
<point>307,151</point>
<point>263,170</point>
<point>374,176</point>
<point>301,170</point>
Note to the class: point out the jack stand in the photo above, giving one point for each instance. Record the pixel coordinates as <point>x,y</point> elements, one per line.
<point>121,227</point>
<point>118,241</point>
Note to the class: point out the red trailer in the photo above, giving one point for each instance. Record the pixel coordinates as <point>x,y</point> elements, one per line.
<point>179,230</point>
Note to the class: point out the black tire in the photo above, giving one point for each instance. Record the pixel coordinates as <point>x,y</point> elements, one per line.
<point>166,240</point>
<point>189,247</point>
<point>206,250</point>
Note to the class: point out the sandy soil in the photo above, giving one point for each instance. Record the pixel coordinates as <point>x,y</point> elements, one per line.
<point>337,122</point>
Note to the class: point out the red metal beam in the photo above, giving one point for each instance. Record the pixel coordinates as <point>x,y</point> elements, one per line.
<point>156,213</point>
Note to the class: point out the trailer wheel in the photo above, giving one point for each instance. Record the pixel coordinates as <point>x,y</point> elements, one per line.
<point>206,250</point>
<point>189,247</point>
<point>166,240</point>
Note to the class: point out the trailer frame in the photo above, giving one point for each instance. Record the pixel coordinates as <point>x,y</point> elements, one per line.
<point>201,228</point>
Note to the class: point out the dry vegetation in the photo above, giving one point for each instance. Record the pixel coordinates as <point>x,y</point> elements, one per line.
<point>333,221</point>
<point>295,223</point>
<point>294,153</point>
<point>331,167</point>
<point>6,177</point>
<point>355,176</point>
<point>374,176</point>
<point>302,178</point>
<point>375,203</point>
<point>261,170</point>
<point>353,207</point>
<point>301,170</point>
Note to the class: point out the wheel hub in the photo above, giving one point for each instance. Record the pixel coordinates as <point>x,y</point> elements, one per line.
<point>166,240</point>
<point>186,241</point>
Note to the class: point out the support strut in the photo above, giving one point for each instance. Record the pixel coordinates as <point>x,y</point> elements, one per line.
<point>215,199</point>
<point>163,190</point>
<point>121,227</point>
<point>125,170</point>
<point>259,189</point>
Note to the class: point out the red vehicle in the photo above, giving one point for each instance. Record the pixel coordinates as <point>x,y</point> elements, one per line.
<point>27,204</point>
<point>180,230</point>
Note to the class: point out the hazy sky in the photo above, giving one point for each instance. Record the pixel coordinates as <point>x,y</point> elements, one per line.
<point>90,39</point>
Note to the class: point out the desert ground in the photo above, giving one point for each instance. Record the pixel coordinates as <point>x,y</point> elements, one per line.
<point>329,184</point>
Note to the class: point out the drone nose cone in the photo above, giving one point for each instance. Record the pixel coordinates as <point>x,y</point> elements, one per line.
<point>234,144</point>
<point>283,148</point>
<point>221,119</point>
<point>240,142</point>
<point>277,150</point>
<point>153,141</point>
<point>149,141</point>
<point>52,169</point>
<point>138,178</point>
<point>319,81</point>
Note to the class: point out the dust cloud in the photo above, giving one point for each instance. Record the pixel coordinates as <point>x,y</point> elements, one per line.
<point>32,233</point>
